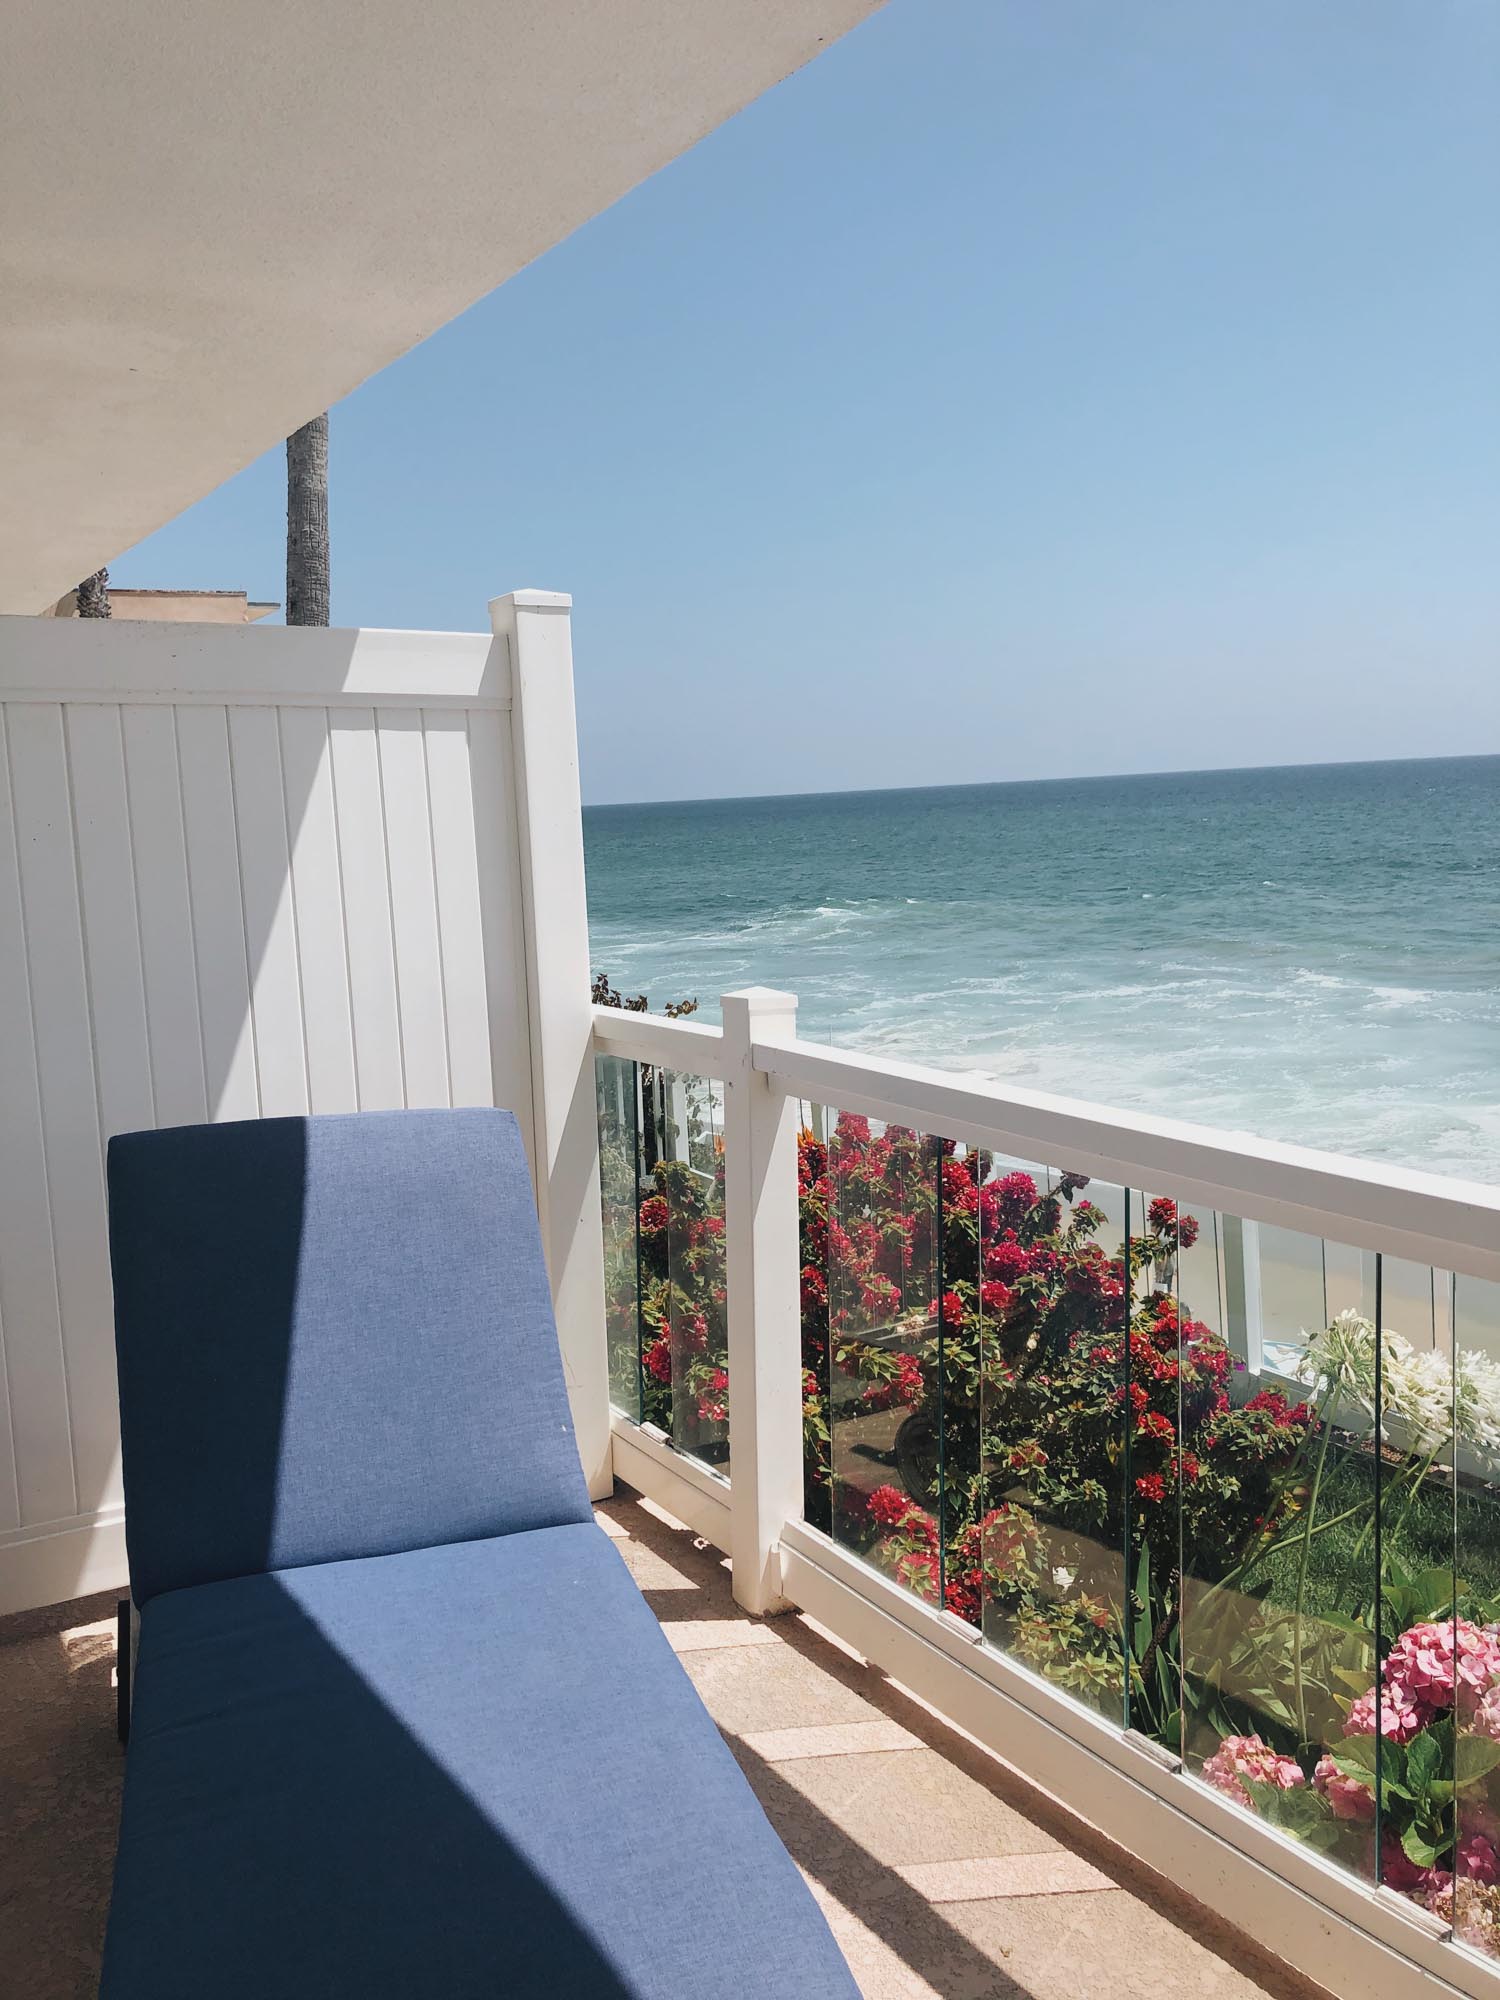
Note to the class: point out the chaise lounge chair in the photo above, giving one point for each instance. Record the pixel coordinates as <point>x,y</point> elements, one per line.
<point>402,1723</point>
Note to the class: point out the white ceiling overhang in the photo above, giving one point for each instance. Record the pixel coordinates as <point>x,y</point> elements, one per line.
<point>218,220</point>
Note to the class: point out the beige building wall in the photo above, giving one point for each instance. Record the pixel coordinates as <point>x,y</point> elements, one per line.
<point>174,607</point>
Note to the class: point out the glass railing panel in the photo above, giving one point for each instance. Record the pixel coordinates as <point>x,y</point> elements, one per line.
<point>1475,1318</point>
<point>684,1336</point>
<point>1051,1522</point>
<point>814,1205</point>
<point>617,1090</point>
<point>884,1403</point>
<point>1183,1368</point>
<point>1280,1287</point>
<point>1282,1521</point>
<point>1415,1690</point>
<point>1159,1455</point>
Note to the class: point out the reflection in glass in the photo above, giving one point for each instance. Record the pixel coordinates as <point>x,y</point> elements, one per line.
<point>1232,1487</point>
<point>884,1408</point>
<point>1056,1395</point>
<point>685,1350</point>
<point>1279,1517</point>
<point>1475,1318</point>
<point>617,1088</point>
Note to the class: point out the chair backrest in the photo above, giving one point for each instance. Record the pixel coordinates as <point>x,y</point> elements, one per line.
<point>335,1339</point>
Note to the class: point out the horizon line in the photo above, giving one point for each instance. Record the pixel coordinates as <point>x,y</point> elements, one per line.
<point>1078,778</point>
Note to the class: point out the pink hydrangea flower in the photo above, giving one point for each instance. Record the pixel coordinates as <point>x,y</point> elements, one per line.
<point>1250,1757</point>
<point>1436,1893</point>
<point>1397,1869</point>
<point>1401,1715</point>
<point>1430,1660</point>
<point>1485,1720</point>
<point>1478,1859</point>
<point>1346,1796</point>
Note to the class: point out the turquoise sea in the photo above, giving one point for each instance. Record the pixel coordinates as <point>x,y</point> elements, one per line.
<point>1309,953</point>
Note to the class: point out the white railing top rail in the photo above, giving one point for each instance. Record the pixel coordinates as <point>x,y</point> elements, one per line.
<point>688,1046</point>
<point>1450,1224</point>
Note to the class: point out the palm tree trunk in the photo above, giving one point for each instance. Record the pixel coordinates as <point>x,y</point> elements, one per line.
<point>307,575</point>
<point>93,596</point>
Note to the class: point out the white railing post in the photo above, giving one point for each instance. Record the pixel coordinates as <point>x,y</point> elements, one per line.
<point>536,627</point>
<point>762,1267</point>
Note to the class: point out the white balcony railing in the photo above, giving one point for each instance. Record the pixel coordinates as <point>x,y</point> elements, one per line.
<point>1369,1234</point>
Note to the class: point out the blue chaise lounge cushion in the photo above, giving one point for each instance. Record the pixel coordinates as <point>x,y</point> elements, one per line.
<point>335,1339</point>
<point>474,1772</point>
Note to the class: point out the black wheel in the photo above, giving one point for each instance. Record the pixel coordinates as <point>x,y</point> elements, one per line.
<point>916,1449</point>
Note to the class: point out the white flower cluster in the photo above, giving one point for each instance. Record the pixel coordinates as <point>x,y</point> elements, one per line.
<point>1430,1399</point>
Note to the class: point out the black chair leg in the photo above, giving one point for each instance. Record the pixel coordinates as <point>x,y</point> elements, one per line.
<point>122,1669</point>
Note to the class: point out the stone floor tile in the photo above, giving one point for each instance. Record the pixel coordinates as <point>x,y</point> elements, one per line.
<point>836,1739</point>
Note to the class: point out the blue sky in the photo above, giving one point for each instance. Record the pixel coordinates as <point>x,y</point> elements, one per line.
<point>1027,388</point>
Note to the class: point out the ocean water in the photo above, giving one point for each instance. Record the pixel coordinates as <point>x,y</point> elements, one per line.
<point>1309,954</point>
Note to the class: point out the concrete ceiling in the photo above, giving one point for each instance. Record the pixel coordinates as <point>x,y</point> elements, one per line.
<point>216,221</point>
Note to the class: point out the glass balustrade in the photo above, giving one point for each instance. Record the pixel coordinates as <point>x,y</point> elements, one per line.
<point>1231,1487</point>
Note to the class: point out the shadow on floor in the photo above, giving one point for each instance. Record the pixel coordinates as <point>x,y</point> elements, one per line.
<point>881,1899</point>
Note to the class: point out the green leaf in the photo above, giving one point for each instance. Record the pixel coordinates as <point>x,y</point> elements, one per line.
<point>1420,1850</point>
<point>1357,1678</point>
<point>1267,1704</point>
<point>1351,1767</point>
<point>1474,1757</point>
<point>1298,1811</point>
<point>1424,1761</point>
<point>1356,1756</point>
<point>1433,1589</point>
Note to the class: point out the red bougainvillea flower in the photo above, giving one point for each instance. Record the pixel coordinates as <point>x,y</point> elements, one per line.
<point>888,1505</point>
<point>693,1333</point>
<point>1007,1260</point>
<point>1164,1220</point>
<point>995,1296</point>
<point>918,1571</point>
<point>962,1595</point>
<point>1284,1416</point>
<point>713,1401</point>
<point>905,1388</point>
<point>654,1214</point>
<point>1151,1486</point>
<point>1016,1194</point>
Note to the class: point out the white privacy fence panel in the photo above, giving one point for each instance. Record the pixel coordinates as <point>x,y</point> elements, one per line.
<point>243,872</point>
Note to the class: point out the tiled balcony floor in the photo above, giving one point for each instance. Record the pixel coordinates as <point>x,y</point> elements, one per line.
<point>942,1873</point>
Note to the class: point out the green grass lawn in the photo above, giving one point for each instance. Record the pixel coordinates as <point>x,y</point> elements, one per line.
<point>1422,1537</point>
